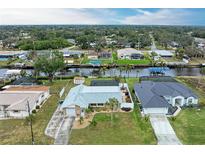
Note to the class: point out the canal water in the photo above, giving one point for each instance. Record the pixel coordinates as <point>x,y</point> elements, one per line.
<point>115,72</point>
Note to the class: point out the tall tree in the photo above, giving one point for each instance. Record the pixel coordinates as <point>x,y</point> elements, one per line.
<point>50,65</point>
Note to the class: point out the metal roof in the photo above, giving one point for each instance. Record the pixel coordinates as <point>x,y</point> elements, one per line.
<point>82,95</point>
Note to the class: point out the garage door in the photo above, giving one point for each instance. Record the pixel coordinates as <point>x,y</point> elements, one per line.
<point>155,110</point>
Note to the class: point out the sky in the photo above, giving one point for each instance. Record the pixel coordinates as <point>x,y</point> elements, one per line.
<point>112,16</point>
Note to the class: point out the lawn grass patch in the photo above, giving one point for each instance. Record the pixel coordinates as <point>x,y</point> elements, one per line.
<point>189,124</point>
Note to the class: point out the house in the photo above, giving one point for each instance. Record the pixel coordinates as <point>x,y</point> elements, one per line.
<point>165,53</point>
<point>105,55</point>
<point>92,55</point>
<point>25,81</point>
<point>81,97</point>
<point>78,80</point>
<point>127,52</point>
<point>16,100</point>
<point>137,56</point>
<point>13,54</point>
<point>160,97</point>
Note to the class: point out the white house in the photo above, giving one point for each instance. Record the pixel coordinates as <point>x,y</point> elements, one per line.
<point>14,100</point>
<point>160,97</point>
<point>78,80</point>
<point>127,52</point>
<point>81,97</point>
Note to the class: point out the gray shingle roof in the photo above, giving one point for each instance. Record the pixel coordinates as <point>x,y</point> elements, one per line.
<point>151,94</point>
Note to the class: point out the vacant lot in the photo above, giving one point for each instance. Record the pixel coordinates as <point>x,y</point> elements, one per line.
<point>189,124</point>
<point>135,62</point>
<point>18,131</point>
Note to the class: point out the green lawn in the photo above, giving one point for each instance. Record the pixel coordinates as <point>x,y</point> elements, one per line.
<point>135,62</point>
<point>18,132</point>
<point>128,128</point>
<point>190,127</point>
<point>189,124</point>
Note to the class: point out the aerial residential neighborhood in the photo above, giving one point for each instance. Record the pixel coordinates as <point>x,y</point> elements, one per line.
<point>103,84</point>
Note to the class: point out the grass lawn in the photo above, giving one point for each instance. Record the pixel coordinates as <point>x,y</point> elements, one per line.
<point>190,127</point>
<point>127,128</point>
<point>18,132</point>
<point>189,124</point>
<point>135,62</point>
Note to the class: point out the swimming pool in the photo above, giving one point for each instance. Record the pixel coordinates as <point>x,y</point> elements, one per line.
<point>3,59</point>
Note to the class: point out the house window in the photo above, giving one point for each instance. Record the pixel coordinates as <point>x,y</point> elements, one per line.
<point>101,105</point>
<point>92,105</point>
<point>42,96</point>
<point>15,111</point>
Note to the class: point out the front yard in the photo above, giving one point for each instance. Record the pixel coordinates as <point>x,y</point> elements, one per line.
<point>189,124</point>
<point>18,132</point>
<point>127,128</point>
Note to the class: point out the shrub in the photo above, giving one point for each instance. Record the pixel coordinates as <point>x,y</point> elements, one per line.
<point>146,118</point>
<point>34,111</point>
<point>37,107</point>
<point>173,118</point>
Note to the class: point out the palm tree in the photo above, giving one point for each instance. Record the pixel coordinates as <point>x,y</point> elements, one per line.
<point>120,69</point>
<point>113,105</point>
<point>103,70</point>
<point>202,71</point>
<point>128,69</point>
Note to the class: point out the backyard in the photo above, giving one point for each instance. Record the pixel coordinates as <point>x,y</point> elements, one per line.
<point>18,132</point>
<point>189,124</point>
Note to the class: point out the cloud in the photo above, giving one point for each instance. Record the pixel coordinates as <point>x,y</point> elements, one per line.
<point>159,17</point>
<point>52,16</point>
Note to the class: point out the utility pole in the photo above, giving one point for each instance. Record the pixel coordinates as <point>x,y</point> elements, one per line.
<point>30,118</point>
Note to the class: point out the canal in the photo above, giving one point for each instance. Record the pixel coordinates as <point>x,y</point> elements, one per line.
<point>116,72</point>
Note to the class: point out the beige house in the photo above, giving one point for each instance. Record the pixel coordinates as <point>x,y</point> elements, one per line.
<point>16,99</point>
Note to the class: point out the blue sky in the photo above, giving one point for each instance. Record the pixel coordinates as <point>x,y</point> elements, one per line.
<point>132,16</point>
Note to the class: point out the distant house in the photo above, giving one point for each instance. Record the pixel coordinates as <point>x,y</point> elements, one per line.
<point>126,53</point>
<point>78,80</point>
<point>105,55</point>
<point>92,55</point>
<point>12,73</point>
<point>165,53</point>
<point>81,97</point>
<point>13,54</point>
<point>15,100</point>
<point>137,56</point>
<point>25,81</point>
<point>160,97</point>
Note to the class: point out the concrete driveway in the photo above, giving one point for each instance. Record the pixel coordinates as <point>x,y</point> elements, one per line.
<point>163,130</point>
<point>62,136</point>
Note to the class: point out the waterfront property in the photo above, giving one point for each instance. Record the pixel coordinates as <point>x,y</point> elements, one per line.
<point>129,53</point>
<point>12,54</point>
<point>16,101</point>
<point>81,97</point>
<point>161,97</point>
<point>165,53</point>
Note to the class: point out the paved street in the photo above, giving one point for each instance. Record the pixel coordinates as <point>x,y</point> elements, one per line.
<point>163,130</point>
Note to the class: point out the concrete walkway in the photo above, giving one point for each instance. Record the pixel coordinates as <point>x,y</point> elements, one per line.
<point>163,130</point>
<point>63,133</point>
